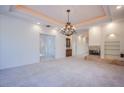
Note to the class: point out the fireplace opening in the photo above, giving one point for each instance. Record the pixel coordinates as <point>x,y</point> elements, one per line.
<point>94,50</point>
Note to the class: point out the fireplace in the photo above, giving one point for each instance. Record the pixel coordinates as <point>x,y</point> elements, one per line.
<point>94,50</point>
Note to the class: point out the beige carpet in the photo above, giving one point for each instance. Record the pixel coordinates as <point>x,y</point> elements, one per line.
<point>68,72</point>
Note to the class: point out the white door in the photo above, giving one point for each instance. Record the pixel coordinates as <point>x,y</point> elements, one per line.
<point>47,47</point>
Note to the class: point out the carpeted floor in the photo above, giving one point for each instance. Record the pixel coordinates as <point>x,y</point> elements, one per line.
<point>68,72</point>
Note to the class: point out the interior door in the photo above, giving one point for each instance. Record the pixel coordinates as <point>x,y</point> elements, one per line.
<point>47,47</point>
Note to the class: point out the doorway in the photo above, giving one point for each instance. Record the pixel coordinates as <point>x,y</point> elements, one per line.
<point>47,47</point>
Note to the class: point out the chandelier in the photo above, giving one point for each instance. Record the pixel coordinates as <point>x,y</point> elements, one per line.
<point>68,29</point>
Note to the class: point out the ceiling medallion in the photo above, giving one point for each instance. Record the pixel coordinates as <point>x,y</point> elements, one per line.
<point>68,29</point>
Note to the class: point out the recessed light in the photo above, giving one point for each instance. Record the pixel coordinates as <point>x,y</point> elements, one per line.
<point>118,7</point>
<point>112,35</point>
<point>54,31</point>
<point>38,23</point>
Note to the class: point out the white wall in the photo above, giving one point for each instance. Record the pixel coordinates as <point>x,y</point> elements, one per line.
<point>95,36</point>
<point>102,34</point>
<point>80,45</point>
<point>116,28</point>
<point>19,42</point>
<point>60,46</point>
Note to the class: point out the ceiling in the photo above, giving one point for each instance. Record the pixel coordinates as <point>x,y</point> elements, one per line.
<point>116,14</point>
<point>82,16</point>
<point>77,14</point>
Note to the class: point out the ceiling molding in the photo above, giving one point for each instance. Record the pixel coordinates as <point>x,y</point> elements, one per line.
<point>38,14</point>
<point>41,15</point>
<point>92,20</point>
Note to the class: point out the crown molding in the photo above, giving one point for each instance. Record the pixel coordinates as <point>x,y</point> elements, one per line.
<point>41,15</point>
<point>38,14</point>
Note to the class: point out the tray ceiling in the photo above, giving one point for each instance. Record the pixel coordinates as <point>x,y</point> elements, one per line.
<point>82,16</point>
